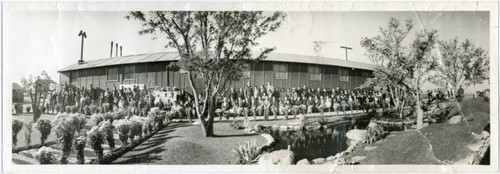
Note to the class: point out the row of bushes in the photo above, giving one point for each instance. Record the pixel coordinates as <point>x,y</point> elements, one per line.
<point>44,126</point>
<point>130,131</point>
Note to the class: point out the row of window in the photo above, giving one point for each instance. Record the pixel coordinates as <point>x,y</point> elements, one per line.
<point>280,73</point>
<point>111,73</point>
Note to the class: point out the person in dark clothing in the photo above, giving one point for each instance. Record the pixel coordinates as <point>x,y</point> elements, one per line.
<point>460,94</point>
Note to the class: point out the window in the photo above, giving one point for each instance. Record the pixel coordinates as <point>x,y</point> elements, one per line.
<point>128,72</point>
<point>113,74</point>
<point>314,73</point>
<point>344,75</point>
<point>280,71</point>
<point>73,76</point>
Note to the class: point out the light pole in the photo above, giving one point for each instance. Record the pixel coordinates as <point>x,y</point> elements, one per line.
<point>83,35</point>
<point>346,48</point>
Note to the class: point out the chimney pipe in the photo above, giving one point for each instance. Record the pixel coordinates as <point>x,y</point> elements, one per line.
<point>111,53</point>
<point>120,51</point>
<point>116,49</point>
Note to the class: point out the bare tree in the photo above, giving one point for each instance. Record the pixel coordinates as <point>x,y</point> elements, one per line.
<point>404,67</point>
<point>38,87</point>
<point>213,46</point>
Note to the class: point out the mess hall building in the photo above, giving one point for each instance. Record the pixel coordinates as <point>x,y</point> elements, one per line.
<point>280,70</point>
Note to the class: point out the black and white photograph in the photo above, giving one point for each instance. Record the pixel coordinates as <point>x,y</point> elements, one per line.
<point>242,87</point>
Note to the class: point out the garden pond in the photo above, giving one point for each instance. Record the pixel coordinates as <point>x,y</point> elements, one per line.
<point>322,143</point>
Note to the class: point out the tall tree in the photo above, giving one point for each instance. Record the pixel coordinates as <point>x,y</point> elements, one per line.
<point>213,46</point>
<point>461,64</point>
<point>38,87</point>
<point>403,66</point>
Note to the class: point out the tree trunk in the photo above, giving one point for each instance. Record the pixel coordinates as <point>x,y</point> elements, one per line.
<point>36,113</point>
<point>420,112</point>
<point>207,126</point>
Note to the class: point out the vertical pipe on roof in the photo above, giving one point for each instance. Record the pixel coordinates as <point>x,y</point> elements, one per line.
<point>120,51</point>
<point>111,53</point>
<point>116,50</point>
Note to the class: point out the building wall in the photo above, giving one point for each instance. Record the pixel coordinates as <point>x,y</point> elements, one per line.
<point>162,75</point>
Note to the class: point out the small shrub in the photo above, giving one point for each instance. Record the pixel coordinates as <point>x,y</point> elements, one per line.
<point>374,134</point>
<point>17,125</point>
<point>44,127</point>
<point>80,146</point>
<point>67,109</point>
<point>247,153</point>
<point>58,108</point>
<point>78,121</point>
<point>74,109</point>
<point>43,109</point>
<point>95,140</point>
<point>123,128</point>
<point>45,155</point>
<point>97,118</point>
<point>107,129</point>
<point>65,132</point>
<point>27,133</point>
<point>119,114</point>
<point>86,110</point>
<point>28,109</point>
<point>108,117</point>
<point>135,129</point>
<point>99,110</point>
<point>93,109</point>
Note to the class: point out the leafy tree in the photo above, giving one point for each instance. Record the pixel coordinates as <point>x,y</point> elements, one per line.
<point>38,87</point>
<point>401,65</point>
<point>214,48</point>
<point>461,64</point>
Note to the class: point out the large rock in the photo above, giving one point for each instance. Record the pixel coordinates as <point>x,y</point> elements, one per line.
<point>356,135</point>
<point>280,157</point>
<point>455,119</point>
<point>318,161</point>
<point>303,162</point>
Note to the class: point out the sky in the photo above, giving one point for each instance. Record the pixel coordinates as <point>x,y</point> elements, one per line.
<point>48,40</point>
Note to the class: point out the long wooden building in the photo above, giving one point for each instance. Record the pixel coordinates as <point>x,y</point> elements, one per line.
<point>281,70</point>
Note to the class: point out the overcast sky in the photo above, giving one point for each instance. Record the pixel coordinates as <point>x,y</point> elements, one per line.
<point>48,40</point>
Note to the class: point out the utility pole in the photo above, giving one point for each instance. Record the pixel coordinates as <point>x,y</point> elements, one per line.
<point>83,35</point>
<point>346,48</point>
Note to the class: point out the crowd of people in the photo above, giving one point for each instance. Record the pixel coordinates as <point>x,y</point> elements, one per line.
<point>268,100</point>
<point>264,100</point>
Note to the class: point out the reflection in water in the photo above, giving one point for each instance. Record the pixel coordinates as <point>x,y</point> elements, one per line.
<point>320,143</point>
<point>314,144</point>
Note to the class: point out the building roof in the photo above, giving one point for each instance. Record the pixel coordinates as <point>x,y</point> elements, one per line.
<point>173,56</point>
<point>16,86</point>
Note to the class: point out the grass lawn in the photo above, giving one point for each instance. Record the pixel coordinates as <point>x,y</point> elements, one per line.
<point>441,143</point>
<point>184,143</point>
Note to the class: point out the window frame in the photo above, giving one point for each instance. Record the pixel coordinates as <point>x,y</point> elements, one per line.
<point>72,78</point>
<point>108,74</point>
<point>344,73</point>
<point>281,72</point>
<point>314,72</point>
<point>133,73</point>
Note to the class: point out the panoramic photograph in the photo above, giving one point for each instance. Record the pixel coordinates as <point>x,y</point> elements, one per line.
<point>247,87</point>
